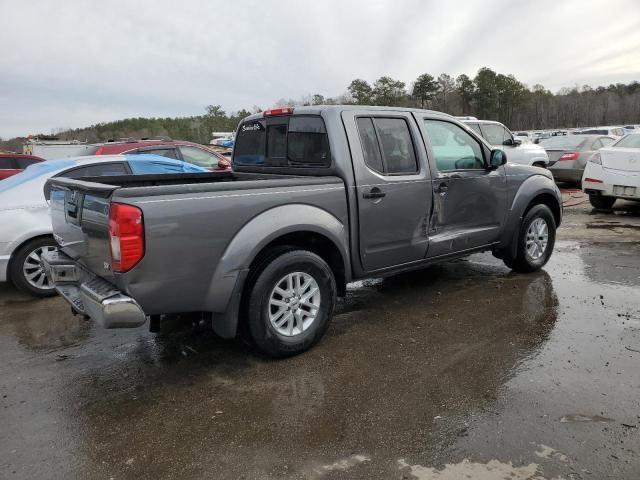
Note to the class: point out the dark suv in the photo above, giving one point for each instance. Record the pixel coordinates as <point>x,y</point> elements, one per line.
<point>177,149</point>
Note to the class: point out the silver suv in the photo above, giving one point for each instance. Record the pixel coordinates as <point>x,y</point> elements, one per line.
<point>501,137</point>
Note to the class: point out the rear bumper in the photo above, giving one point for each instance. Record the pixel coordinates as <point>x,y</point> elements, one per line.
<point>90,295</point>
<point>564,174</point>
<point>613,183</point>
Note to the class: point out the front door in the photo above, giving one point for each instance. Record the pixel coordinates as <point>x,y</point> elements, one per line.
<point>469,199</point>
<point>392,188</point>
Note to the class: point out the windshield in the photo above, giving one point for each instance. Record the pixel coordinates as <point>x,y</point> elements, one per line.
<point>630,141</point>
<point>569,141</point>
<point>34,171</point>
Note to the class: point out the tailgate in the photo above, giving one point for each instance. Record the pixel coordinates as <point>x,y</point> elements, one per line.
<point>80,216</point>
<point>627,159</point>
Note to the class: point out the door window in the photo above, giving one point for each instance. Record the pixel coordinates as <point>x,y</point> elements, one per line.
<point>453,148</point>
<point>198,156</point>
<point>163,152</point>
<point>6,163</point>
<point>24,162</point>
<point>495,134</point>
<point>387,145</point>
<point>475,127</point>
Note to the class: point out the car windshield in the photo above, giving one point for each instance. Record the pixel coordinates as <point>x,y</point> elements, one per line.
<point>34,171</point>
<point>568,141</point>
<point>630,141</point>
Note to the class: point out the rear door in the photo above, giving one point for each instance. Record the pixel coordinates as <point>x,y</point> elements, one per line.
<point>392,187</point>
<point>469,199</point>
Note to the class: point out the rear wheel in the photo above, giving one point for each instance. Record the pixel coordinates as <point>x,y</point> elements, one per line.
<point>290,304</point>
<point>601,202</point>
<point>26,272</point>
<point>536,239</point>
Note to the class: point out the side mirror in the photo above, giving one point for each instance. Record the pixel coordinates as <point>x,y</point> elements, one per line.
<point>508,142</point>
<point>498,158</point>
<point>517,142</point>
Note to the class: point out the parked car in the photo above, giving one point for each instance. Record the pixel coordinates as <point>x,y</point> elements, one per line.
<point>569,154</point>
<point>614,172</point>
<point>617,132</point>
<point>24,212</point>
<point>337,193</point>
<point>12,163</point>
<point>499,136</point>
<point>177,149</point>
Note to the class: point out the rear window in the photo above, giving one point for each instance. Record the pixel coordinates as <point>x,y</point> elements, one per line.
<point>630,141</point>
<point>569,141</point>
<point>298,141</point>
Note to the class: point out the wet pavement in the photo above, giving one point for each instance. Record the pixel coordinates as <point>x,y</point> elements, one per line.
<point>459,369</point>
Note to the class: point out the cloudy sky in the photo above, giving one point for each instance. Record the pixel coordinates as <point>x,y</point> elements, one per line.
<point>78,62</point>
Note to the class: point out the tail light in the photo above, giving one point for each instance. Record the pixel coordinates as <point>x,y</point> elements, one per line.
<point>595,158</point>
<point>592,180</point>
<point>99,151</point>
<point>278,111</point>
<point>126,236</point>
<point>569,156</point>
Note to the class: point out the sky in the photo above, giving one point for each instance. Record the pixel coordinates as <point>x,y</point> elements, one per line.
<point>80,62</point>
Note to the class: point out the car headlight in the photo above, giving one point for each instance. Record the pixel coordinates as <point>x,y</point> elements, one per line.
<point>595,158</point>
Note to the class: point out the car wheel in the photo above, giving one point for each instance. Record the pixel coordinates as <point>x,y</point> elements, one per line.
<point>26,272</point>
<point>536,239</point>
<point>601,202</point>
<point>290,304</point>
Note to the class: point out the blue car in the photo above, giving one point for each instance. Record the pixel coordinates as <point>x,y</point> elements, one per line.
<point>24,212</point>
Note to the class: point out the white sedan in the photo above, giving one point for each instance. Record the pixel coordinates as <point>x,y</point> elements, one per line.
<point>614,172</point>
<point>24,212</point>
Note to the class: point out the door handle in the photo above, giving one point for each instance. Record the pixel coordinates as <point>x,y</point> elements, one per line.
<point>375,192</point>
<point>442,187</point>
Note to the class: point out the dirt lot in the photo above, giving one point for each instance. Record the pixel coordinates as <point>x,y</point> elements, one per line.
<point>460,369</point>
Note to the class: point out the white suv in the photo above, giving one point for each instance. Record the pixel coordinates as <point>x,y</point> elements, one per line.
<point>499,136</point>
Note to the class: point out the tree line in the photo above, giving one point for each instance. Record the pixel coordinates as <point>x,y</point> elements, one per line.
<point>496,96</point>
<point>488,95</point>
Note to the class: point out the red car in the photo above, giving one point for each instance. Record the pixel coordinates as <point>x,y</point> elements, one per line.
<point>177,149</point>
<point>12,163</point>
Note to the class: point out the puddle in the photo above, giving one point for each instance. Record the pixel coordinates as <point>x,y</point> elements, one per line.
<point>580,418</point>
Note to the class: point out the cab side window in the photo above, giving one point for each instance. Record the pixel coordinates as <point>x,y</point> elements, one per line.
<point>453,148</point>
<point>387,145</point>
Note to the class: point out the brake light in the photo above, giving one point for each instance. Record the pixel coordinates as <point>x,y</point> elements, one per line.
<point>595,158</point>
<point>126,236</point>
<point>593,180</point>
<point>278,111</point>
<point>569,156</point>
<point>99,151</point>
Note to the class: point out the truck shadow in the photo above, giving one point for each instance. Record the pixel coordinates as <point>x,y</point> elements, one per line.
<point>442,341</point>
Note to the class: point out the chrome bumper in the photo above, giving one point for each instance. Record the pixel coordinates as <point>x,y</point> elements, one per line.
<point>90,295</point>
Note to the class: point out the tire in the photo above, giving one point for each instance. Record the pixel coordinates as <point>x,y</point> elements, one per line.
<point>601,202</point>
<point>532,258</point>
<point>280,320</point>
<point>25,272</point>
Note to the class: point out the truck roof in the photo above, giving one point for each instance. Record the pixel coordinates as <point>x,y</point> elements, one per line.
<point>318,109</point>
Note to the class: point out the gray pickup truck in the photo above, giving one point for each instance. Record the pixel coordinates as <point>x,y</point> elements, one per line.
<point>318,197</point>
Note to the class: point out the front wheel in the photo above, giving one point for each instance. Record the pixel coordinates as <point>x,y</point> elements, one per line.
<point>601,202</point>
<point>26,272</point>
<point>290,304</point>
<point>536,239</point>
